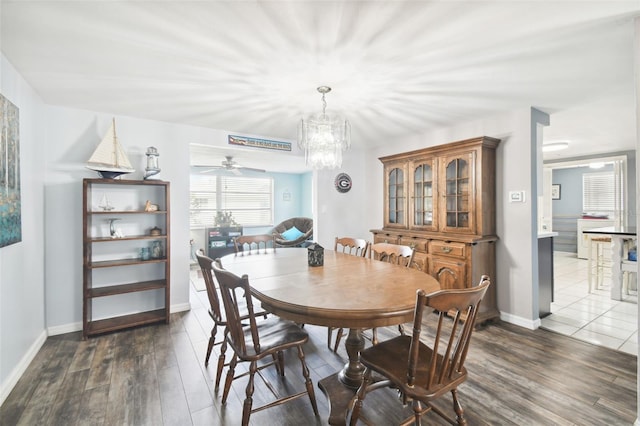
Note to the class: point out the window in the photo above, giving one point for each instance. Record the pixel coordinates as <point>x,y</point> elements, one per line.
<point>598,192</point>
<point>249,199</point>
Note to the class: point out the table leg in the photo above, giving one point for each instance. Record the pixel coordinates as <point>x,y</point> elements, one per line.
<point>617,250</point>
<point>351,374</point>
<point>341,387</point>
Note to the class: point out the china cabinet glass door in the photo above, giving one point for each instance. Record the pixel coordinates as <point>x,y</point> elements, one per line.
<point>397,197</point>
<point>424,190</point>
<point>458,197</point>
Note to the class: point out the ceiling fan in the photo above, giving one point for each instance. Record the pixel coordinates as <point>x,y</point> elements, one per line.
<point>229,165</point>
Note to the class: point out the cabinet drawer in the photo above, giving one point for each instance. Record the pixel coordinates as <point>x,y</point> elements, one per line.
<point>414,243</point>
<point>447,249</point>
<point>385,238</point>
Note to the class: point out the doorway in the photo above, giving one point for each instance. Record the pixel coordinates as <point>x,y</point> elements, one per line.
<point>593,317</point>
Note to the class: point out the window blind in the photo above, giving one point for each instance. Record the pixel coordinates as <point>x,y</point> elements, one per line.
<point>598,192</point>
<point>249,199</point>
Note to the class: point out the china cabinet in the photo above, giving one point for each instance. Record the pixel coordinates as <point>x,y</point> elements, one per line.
<point>126,254</point>
<point>441,201</point>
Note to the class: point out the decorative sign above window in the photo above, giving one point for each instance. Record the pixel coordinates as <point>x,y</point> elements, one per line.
<point>343,183</point>
<point>259,143</point>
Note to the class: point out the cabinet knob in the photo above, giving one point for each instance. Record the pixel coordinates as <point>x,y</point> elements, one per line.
<point>446,249</point>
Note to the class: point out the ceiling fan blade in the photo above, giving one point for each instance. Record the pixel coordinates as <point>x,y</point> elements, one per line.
<point>208,169</point>
<point>252,169</point>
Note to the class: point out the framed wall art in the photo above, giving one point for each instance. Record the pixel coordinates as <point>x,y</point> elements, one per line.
<point>10,205</point>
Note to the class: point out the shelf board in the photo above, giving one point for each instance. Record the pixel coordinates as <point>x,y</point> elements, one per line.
<point>128,238</point>
<point>121,212</point>
<point>126,288</point>
<point>123,262</point>
<point>125,321</point>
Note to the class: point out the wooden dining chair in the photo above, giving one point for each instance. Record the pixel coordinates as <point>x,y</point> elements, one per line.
<point>217,314</point>
<point>423,370</point>
<point>244,244</point>
<point>392,253</point>
<point>256,341</point>
<point>355,247</point>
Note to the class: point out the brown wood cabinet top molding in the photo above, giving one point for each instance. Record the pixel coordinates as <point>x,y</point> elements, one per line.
<point>487,142</point>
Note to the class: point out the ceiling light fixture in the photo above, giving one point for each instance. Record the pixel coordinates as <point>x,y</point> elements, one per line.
<point>555,146</point>
<point>324,136</point>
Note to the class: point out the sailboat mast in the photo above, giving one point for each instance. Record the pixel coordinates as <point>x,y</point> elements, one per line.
<point>115,141</point>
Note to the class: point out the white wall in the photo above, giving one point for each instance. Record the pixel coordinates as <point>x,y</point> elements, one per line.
<point>342,214</point>
<point>22,293</point>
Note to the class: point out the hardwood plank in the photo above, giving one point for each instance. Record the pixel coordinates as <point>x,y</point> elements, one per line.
<point>102,362</point>
<point>15,403</point>
<point>93,406</point>
<point>194,382</point>
<point>69,397</point>
<point>51,378</point>
<point>175,408</point>
<point>120,407</point>
<point>148,410</point>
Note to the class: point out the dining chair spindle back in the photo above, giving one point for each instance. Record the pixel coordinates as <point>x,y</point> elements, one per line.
<point>244,244</point>
<point>433,362</point>
<point>252,341</point>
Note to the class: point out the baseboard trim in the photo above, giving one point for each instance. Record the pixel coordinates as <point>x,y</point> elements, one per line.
<point>77,326</point>
<point>519,321</point>
<point>180,308</point>
<point>64,329</point>
<point>7,386</point>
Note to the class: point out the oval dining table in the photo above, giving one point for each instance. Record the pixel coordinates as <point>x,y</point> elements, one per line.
<point>346,291</point>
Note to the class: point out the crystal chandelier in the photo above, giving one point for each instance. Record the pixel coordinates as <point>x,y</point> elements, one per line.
<point>323,137</point>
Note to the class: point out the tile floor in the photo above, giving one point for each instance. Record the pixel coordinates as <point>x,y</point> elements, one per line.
<point>591,317</point>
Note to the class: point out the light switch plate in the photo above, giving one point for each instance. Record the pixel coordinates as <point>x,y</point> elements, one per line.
<point>516,196</point>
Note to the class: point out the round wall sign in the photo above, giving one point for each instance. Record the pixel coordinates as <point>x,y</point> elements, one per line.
<point>343,182</point>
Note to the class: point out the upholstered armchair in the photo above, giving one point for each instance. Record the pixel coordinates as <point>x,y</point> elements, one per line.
<point>293,232</point>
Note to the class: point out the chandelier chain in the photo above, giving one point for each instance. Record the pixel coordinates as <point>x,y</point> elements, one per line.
<point>324,105</point>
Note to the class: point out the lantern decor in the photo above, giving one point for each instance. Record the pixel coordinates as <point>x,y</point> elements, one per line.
<point>152,168</point>
<point>315,254</point>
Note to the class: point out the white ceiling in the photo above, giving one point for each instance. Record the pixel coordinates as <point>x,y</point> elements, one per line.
<point>396,68</point>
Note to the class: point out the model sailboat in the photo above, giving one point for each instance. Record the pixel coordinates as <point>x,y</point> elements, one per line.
<point>109,159</point>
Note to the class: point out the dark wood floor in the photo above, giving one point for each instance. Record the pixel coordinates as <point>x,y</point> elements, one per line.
<point>156,376</point>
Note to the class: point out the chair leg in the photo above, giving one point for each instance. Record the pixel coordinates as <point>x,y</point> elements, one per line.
<point>417,412</point>
<point>278,359</point>
<point>212,342</point>
<point>230,373</point>
<point>307,381</point>
<point>590,267</point>
<point>248,402</point>
<point>360,395</point>
<point>458,409</point>
<point>223,350</point>
<point>338,339</point>
<point>374,336</point>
